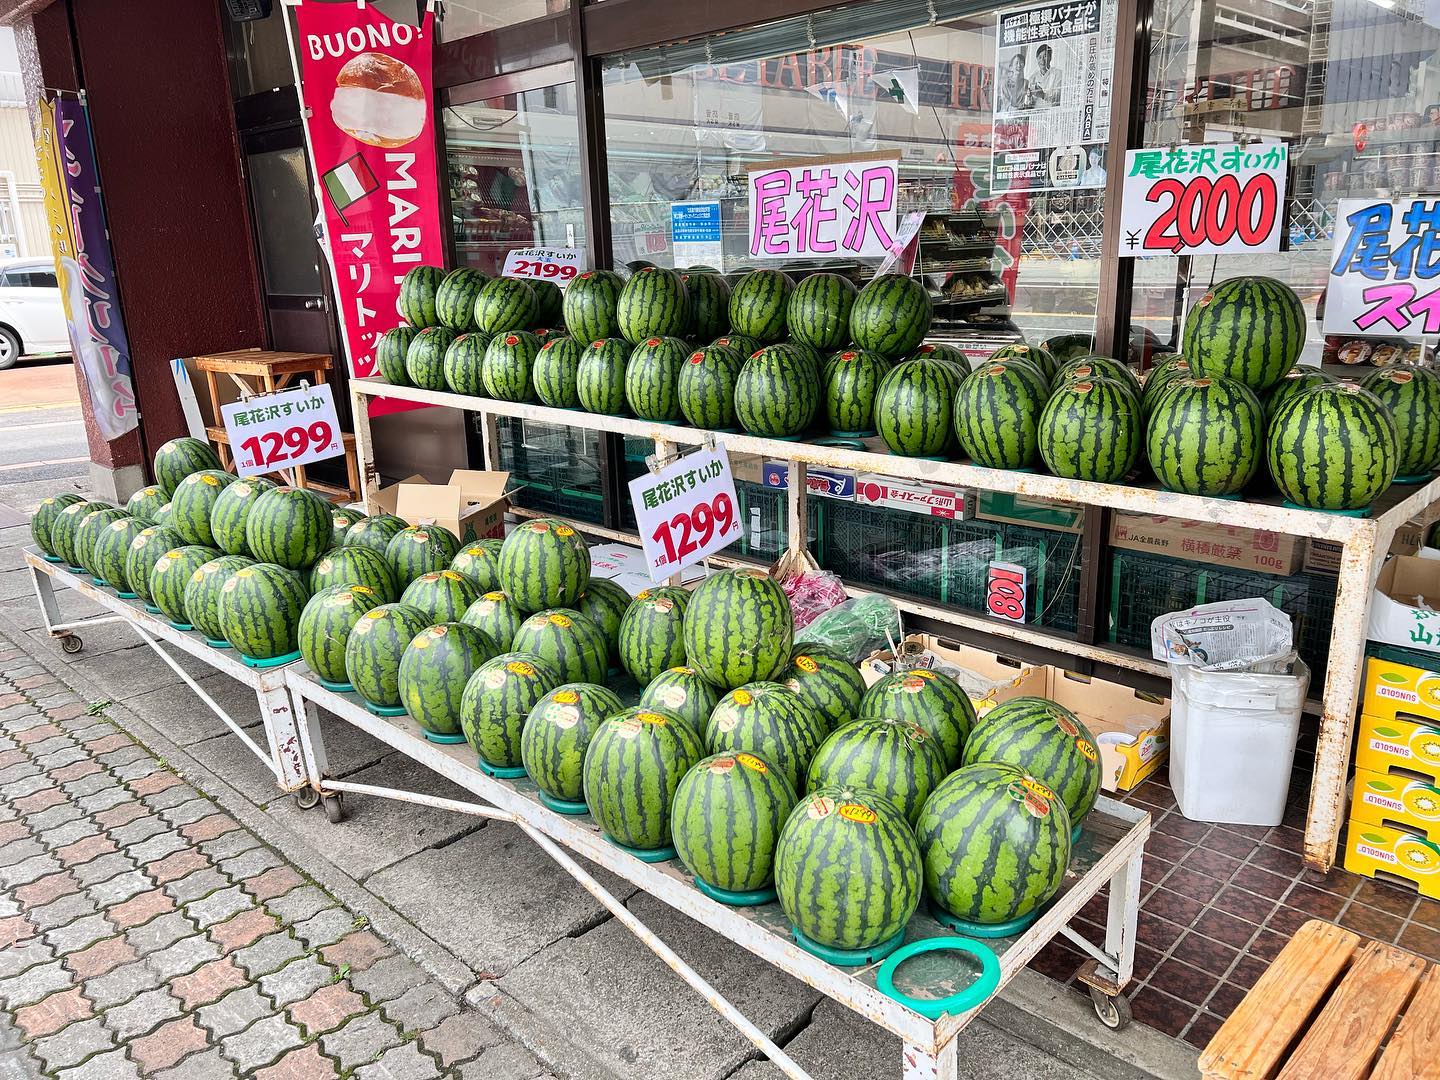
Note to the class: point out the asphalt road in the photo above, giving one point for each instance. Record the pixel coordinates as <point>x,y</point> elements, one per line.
<point>41,434</point>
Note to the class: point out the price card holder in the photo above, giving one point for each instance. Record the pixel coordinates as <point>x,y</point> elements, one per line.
<point>686,511</point>
<point>1006,591</point>
<point>560,265</point>
<point>278,431</point>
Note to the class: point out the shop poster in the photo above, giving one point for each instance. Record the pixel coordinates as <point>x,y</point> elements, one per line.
<point>85,265</point>
<point>1053,70</point>
<point>695,234</point>
<point>368,105</point>
<point>824,207</point>
<point>1385,268</point>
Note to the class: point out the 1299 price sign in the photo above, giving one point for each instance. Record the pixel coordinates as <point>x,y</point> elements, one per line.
<point>560,265</point>
<point>279,431</point>
<point>685,511</point>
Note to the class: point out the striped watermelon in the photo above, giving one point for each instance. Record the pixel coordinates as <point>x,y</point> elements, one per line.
<point>604,603</point>
<point>1038,357</point>
<point>390,354</point>
<point>652,632</point>
<point>456,296</point>
<point>684,691</point>
<point>651,377</point>
<point>178,458</point>
<point>169,576</point>
<point>738,628</point>
<point>852,379</point>
<point>89,530</point>
<point>573,646</point>
<point>506,366</point>
<point>590,303</point>
<point>995,843</point>
<point>600,377</point>
<point>825,680</point>
<point>1045,740</point>
<point>289,526</point>
<point>653,303</point>
<point>498,616</point>
<point>770,721</point>
<point>557,733</point>
<point>726,820</point>
<point>497,699</point>
<point>419,549</point>
<point>1333,447</point>
<point>480,562</point>
<point>443,595</point>
<point>434,671</point>
<point>1205,437</point>
<point>341,518</point>
<point>891,315</point>
<point>758,303</point>
<point>709,297</point>
<point>143,503</point>
<point>425,359</point>
<point>325,627</point>
<point>776,393</point>
<point>896,759</point>
<point>375,532</point>
<point>914,408</point>
<point>1294,381</point>
<point>149,545</point>
<point>800,350</point>
<point>260,610</point>
<point>743,346</point>
<point>374,649</point>
<point>705,390</point>
<point>67,524</point>
<point>818,312</point>
<point>43,520</point>
<point>555,372</point>
<point>1067,347</point>
<point>633,765</point>
<point>1159,380</point>
<point>831,832</point>
<point>162,516</point>
<point>112,545</point>
<point>997,414</point>
<point>1090,430</point>
<point>463,365</point>
<point>416,302</point>
<point>506,305</point>
<point>1250,329</point>
<point>1097,367</point>
<point>202,593</point>
<point>549,302</point>
<point>544,564</point>
<point>945,354</point>
<point>193,501</point>
<point>931,699</point>
<point>1412,395</point>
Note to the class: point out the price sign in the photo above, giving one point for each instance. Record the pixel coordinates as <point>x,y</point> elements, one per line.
<point>278,431</point>
<point>685,511</point>
<point>1005,591</point>
<point>560,265</point>
<point>1206,199</point>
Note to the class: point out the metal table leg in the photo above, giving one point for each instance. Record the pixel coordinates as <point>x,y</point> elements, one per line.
<point>918,1064</point>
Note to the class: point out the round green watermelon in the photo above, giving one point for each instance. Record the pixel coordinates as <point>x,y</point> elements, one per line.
<point>825,680</point>
<point>506,305</point>
<point>914,408</point>
<point>997,414</point>
<point>1250,329</point>
<point>112,546</point>
<point>325,626</point>
<point>1206,436</point>
<point>1097,367</point>
<point>851,379</point>
<point>600,377</point>
<point>573,646</point>
<point>726,819</point>
<point>480,562</point>
<point>202,594</point>
<point>683,691</point>
<point>1038,357</point>
<point>463,365</point>
<point>89,530</point>
<point>341,520</point>
<point>390,353</point>
<point>1090,430</point>
<point>375,532</point>
<point>818,312</point>
<point>1412,394</point>
<point>896,759</point>
<point>544,563</point>
<point>443,595</point>
<point>632,768</point>
<point>149,545</point>
<point>590,303</point>
<point>653,303</point>
<point>770,721</point>
<point>231,509</point>
<point>144,503</point>
<point>604,603</point>
<point>169,576</point>
<point>456,296</point>
<point>66,525</point>
<point>709,297</point>
<point>260,610</point>
<point>652,376</point>
<point>43,520</point>
<point>497,700</point>
<point>1333,447</point>
<point>891,315</point>
<point>758,305</point>
<point>418,290</point>
<point>288,526</point>
<point>931,699</point>
<point>498,616</point>
<point>425,358</point>
<point>1045,740</point>
<point>178,458</point>
<point>738,628</point>
<point>705,388</point>
<point>557,733</point>
<point>1294,381</point>
<point>549,302</point>
<point>777,393</point>
<point>555,372</point>
<point>434,670</point>
<point>193,501</point>
<point>374,649</point>
<point>420,549</point>
<point>941,353</point>
<point>505,370</point>
<point>652,632</point>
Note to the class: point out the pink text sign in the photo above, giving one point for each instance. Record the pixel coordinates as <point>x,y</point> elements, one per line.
<point>824,207</point>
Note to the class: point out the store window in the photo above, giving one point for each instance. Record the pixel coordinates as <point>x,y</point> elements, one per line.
<point>464,18</point>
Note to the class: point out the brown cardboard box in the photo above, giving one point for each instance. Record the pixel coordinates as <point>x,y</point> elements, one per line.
<point>472,505</point>
<point>747,468</point>
<point>1201,541</point>
<point>1323,556</point>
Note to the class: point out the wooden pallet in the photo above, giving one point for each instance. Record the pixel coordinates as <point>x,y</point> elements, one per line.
<point>1333,1006</point>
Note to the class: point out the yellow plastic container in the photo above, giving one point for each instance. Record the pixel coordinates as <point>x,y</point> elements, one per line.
<point>1374,850</point>
<point>1393,800</point>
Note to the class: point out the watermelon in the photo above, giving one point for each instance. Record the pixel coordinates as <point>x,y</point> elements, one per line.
<point>456,296</point>
<point>652,633</point>
<point>112,546</point>
<point>374,649</point>
<point>202,593</point>
<point>776,393</point>
<point>169,576</point>
<point>826,681</point>
<point>555,372</point>
<point>480,562</point>
<point>178,458</point>
<point>573,646</point>
<point>1038,357</point>
<point>497,700</point>
<point>162,516</point>
<point>600,377</point>
<point>419,549</point>
<point>549,302</point>
<point>945,354</point>
<point>260,608</point>
<point>1159,380</point>
<point>590,303</point>
<point>930,699</point>
<point>995,843</point>
<point>851,380</point>
<point>341,519</point>
<point>1205,437</point>
<point>65,526</point>
<point>741,345</point>
<point>1250,329</point>
<point>89,530</point>
<point>418,289</point>
<point>997,414</point>
<point>375,532</point>
<point>1097,367</point>
<point>289,526</point>
<point>149,545</point>
<point>1090,430</point>
<point>758,304</point>
<point>1293,382</point>
<point>434,671</point>
<point>425,359</point>
<point>914,408</point>
<point>443,595</point>
<point>505,368</point>
<point>726,819</point>
<point>705,390</point>
<point>390,353</point>
<point>1412,395</point>
<point>1333,447</point>
<point>651,377</point>
<point>143,503</point>
<point>738,628</point>
<point>1067,347</point>
<point>604,603</point>
<point>891,315</point>
<point>43,520</point>
<point>770,721</point>
<point>498,616</point>
<point>1045,740</point>
<point>683,691</point>
<point>463,365</point>
<point>818,312</point>
<point>544,563</point>
<point>325,627</point>
<point>896,759</point>
<point>633,765</point>
<point>831,832</point>
<point>506,305</point>
<point>193,501</point>
<point>709,297</point>
<point>557,733</point>
<point>653,303</point>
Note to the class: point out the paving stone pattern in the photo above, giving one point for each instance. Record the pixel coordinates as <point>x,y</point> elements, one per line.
<point>144,932</point>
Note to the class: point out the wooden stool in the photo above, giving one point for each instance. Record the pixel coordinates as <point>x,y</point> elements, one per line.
<point>1333,1006</point>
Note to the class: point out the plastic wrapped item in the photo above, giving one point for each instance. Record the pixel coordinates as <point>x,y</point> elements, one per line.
<point>812,594</point>
<point>856,628</point>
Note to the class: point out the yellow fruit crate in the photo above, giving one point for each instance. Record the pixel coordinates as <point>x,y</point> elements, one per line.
<point>1396,801</point>
<point>1380,851</point>
<point>1391,743</point>
<point>1400,690</point>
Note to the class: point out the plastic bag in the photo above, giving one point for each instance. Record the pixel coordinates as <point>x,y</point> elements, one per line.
<point>812,594</point>
<point>856,628</point>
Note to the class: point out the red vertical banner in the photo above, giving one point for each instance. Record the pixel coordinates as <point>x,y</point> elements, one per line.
<point>368,101</point>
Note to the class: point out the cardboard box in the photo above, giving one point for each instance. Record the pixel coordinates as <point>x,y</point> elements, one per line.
<point>1393,689</point>
<point>1394,617</point>
<point>1393,744</point>
<point>1201,541</point>
<point>1036,513</point>
<point>1323,556</point>
<point>829,483</point>
<point>747,468</point>
<point>1380,851</point>
<point>472,505</point>
<point>995,679</point>
<point>873,489</point>
<point>1397,802</point>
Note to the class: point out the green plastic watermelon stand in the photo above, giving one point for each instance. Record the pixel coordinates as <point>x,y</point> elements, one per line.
<point>385,710</point>
<point>181,626</point>
<point>1014,926</point>
<point>442,738</point>
<point>1075,836</point>
<point>1364,511</point>
<point>270,661</point>
<point>784,438</point>
<point>335,687</point>
<point>650,855</point>
<point>151,609</point>
<point>76,569</point>
<point>563,806</point>
<point>51,558</point>
<point>848,957</point>
<point>845,438</point>
<point>127,595</point>
<point>500,772</point>
<point>977,993</point>
<point>753,898</point>
<point>1414,479</point>
<point>101,582</point>
<point>218,643</point>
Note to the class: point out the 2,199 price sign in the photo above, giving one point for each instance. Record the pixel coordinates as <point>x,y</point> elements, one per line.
<point>1006,591</point>
<point>685,511</point>
<point>560,265</point>
<point>279,431</point>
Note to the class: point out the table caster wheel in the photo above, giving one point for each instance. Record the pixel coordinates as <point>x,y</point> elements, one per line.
<point>71,643</point>
<point>1113,1010</point>
<point>334,808</point>
<point>306,798</point>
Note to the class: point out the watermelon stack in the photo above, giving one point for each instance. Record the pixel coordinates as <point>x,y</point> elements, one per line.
<point>1090,430</point>
<point>705,389</point>
<point>1250,329</point>
<point>1333,447</point>
<point>777,392</point>
<point>108,556</point>
<point>390,354</point>
<point>653,304</point>
<point>1205,436</point>
<point>43,521</point>
<point>289,527</point>
<point>1413,397</point>
<point>202,596</point>
<point>420,549</point>
<point>497,699</point>
<point>931,699</point>
<point>544,564</point>
<point>355,565</point>
<point>818,312</point>
<point>651,635</point>
<point>914,408</point>
<point>373,652</point>
<point>632,769</point>
<point>260,610</point>
<point>169,576</point>
<point>480,562</point>
<point>89,530</point>
<point>324,630</point>
<point>600,377</point>
<point>851,383</point>
<point>418,290</point>
<point>590,303</point>
<point>375,532</point>
<point>652,376</point>
<point>498,616</point>
<point>709,297</point>
<point>149,545</point>
<point>555,737</point>
<point>556,371</point>
<point>896,759</point>
<point>178,458</point>
<point>738,628</point>
<point>758,304</point>
<point>425,358</point>
<point>826,681</point>
<point>573,646</point>
<point>726,820</point>
<point>997,414</point>
<point>1045,740</point>
<point>455,298</point>
<point>505,305</point>
<point>443,595</point>
<point>891,315</point>
<point>434,671</point>
<point>770,721</point>
<point>683,691</point>
<point>144,503</point>
<point>193,501</point>
<point>604,603</point>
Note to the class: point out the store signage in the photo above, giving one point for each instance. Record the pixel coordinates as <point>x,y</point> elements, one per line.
<point>1006,588</point>
<point>901,258</point>
<point>875,489</point>
<point>828,206</point>
<point>695,236</point>
<point>685,511</point>
<point>1385,268</point>
<point>368,107</point>
<point>280,431</point>
<point>560,265</point>
<point>1205,199</point>
<point>830,483</point>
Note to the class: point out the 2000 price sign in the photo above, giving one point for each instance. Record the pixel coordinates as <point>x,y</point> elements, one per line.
<point>692,529</point>
<point>1198,212</point>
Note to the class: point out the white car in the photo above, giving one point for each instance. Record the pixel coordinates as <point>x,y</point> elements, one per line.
<point>32,316</point>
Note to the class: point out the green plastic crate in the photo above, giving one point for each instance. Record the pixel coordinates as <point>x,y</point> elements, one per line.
<point>1052,562</point>
<point>554,469</point>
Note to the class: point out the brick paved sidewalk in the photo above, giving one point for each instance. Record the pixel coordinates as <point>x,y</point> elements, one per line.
<point>144,932</point>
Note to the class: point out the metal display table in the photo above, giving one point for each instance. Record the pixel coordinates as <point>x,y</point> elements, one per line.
<point>1109,851</point>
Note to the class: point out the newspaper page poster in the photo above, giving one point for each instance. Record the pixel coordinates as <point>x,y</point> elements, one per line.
<point>1053,69</point>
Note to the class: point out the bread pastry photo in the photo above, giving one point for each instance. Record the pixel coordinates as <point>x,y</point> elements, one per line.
<point>378,100</point>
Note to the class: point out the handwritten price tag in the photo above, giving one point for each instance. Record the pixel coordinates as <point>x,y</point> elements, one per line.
<point>685,511</point>
<point>1006,591</point>
<point>560,265</point>
<point>279,431</point>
